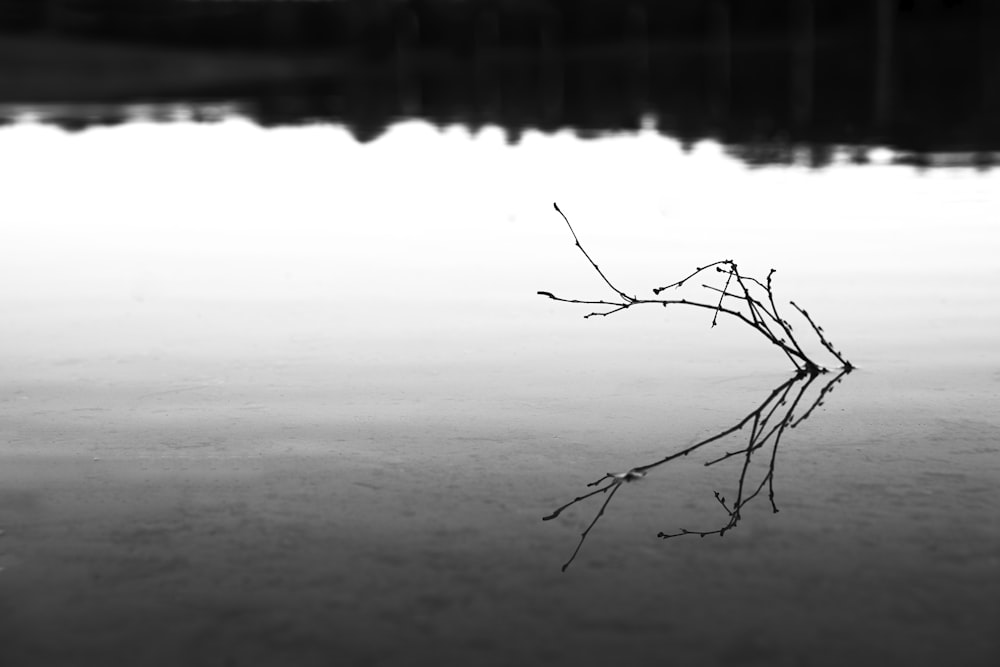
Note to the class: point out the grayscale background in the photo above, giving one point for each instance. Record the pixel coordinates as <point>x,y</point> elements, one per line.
<point>277,388</point>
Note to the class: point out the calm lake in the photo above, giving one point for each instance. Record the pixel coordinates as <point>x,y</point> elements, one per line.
<point>274,396</point>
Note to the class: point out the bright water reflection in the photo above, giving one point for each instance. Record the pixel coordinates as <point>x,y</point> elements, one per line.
<point>223,336</point>
<point>420,222</point>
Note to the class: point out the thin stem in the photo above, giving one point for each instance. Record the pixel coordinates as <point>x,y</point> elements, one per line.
<point>583,536</point>
<point>721,297</point>
<point>586,254</point>
<point>680,283</point>
<point>822,338</point>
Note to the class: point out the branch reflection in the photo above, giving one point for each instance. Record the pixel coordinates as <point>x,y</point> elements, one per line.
<point>783,408</point>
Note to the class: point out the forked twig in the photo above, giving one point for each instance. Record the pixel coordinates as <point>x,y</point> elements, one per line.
<point>754,306</point>
<point>768,423</point>
<point>822,338</point>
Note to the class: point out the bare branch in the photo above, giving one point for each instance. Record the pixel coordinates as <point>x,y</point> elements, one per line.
<point>583,536</point>
<point>587,255</point>
<point>822,338</point>
<point>761,314</point>
<point>680,283</point>
<point>725,287</point>
<point>783,400</point>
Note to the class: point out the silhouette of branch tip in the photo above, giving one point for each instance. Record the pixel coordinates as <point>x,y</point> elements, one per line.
<point>751,301</point>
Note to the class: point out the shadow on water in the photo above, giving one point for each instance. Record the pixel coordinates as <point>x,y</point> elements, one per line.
<point>783,408</point>
<point>778,82</point>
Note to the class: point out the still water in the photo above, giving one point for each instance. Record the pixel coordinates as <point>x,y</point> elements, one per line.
<point>276,397</point>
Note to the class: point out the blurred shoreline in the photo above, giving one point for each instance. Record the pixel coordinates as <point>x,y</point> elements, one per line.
<point>813,76</point>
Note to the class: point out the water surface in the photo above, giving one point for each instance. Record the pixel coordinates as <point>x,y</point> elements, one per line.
<point>276,396</point>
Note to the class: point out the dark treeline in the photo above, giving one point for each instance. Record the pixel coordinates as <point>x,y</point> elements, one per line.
<point>766,77</point>
<point>379,28</point>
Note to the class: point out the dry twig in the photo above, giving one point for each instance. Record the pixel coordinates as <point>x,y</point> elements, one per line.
<point>768,422</point>
<point>751,301</point>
